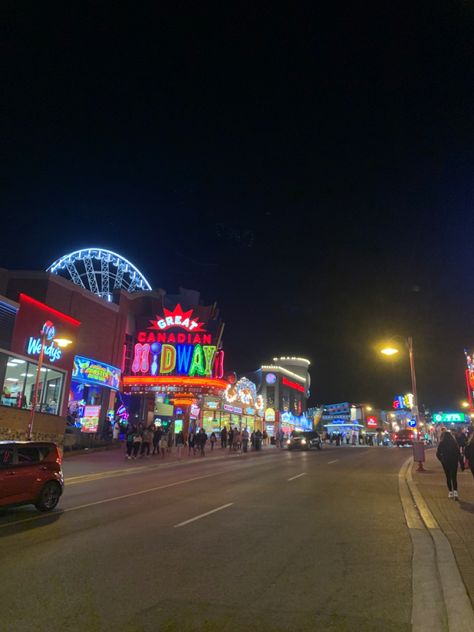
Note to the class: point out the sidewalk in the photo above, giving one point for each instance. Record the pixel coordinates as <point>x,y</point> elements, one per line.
<point>456,519</point>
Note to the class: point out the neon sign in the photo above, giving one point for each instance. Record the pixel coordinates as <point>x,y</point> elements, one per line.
<point>177,343</point>
<point>177,318</point>
<point>449,418</point>
<point>297,387</point>
<point>33,346</point>
<point>403,401</point>
<point>372,422</point>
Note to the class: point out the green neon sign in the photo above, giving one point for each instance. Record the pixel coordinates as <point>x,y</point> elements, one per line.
<point>449,418</point>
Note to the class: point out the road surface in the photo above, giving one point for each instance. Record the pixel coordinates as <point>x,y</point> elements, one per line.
<point>272,541</point>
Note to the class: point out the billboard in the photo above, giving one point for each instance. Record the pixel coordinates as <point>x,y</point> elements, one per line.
<point>91,371</point>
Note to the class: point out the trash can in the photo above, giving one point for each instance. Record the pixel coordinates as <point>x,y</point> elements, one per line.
<point>419,454</point>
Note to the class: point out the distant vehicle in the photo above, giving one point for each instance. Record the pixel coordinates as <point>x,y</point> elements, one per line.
<point>30,474</point>
<point>404,438</point>
<point>304,441</point>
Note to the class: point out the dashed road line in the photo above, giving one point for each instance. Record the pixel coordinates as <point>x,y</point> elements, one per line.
<point>208,513</point>
<point>297,476</point>
<point>335,461</point>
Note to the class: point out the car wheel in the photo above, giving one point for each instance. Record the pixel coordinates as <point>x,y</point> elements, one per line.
<point>49,497</point>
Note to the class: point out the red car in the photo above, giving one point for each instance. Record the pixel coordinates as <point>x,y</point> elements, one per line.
<point>30,473</point>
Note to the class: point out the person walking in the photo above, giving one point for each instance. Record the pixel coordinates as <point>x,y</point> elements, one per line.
<point>156,440</point>
<point>201,441</point>
<point>448,454</point>
<point>147,438</point>
<point>179,443</point>
<point>129,436</point>
<point>164,443</point>
<point>461,441</point>
<point>258,439</point>
<point>191,442</point>
<point>116,431</point>
<point>469,452</point>
<point>224,437</point>
<point>137,442</point>
<point>237,440</point>
<point>213,440</point>
<point>245,439</point>
<point>230,439</point>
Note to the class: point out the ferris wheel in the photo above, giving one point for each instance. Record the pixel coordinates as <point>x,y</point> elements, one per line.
<point>100,271</point>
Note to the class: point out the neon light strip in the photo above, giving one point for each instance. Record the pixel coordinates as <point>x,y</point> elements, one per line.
<point>286,382</point>
<point>33,301</point>
<point>292,358</point>
<point>282,370</point>
<point>131,380</point>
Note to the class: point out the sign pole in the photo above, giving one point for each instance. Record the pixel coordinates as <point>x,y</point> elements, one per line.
<point>29,433</point>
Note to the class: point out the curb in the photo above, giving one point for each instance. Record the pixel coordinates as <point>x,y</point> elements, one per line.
<point>435,571</point>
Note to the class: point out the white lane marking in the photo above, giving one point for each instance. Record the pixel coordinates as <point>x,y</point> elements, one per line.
<point>208,513</point>
<point>109,500</point>
<point>297,476</point>
<point>329,462</point>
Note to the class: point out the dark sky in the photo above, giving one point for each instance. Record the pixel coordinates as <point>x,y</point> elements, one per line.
<point>309,168</point>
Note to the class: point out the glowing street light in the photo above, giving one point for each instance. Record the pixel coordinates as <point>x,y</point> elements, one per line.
<point>465,404</point>
<point>389,351</point>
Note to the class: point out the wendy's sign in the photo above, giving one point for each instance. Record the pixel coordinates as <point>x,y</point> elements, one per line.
<point>177,343</point>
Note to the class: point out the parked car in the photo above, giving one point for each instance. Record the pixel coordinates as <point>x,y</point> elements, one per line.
<point>304,441</point>
<point>30,473</point>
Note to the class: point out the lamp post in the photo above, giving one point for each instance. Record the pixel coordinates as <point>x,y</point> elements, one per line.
<point>47,334</point>
<point>390,351</point>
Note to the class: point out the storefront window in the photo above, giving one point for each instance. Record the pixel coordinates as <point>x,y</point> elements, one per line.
<point>18,377</point>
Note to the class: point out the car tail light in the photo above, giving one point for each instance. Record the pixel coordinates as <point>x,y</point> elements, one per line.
<point>59,459</point>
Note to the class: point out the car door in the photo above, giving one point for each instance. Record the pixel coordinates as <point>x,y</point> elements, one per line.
<point>8,486</point>
<point>28,472</point>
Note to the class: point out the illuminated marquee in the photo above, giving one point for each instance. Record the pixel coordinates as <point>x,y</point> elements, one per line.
<point>177,343</point>
<point>51,349</point>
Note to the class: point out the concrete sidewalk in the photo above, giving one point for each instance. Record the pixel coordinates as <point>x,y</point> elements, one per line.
<point>456,519</point>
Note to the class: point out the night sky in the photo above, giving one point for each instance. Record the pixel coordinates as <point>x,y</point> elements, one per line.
<point>310,169</point>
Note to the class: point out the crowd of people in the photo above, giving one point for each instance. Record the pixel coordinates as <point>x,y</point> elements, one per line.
<point>145,441</point>
<point>455,451</point>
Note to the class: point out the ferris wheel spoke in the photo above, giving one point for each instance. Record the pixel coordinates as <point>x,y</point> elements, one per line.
<point>104,281</point>
<point>91,275</point>
<point>119,277</point>
<point>71,268</point>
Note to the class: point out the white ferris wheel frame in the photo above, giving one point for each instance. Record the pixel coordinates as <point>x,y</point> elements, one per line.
<point>104,276</point>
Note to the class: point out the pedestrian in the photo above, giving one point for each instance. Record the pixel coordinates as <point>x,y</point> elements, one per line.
<point>179,443</point>
<point>224,437</point>
<point>147,438</point>
<point>156,440</point>
<point>258,439</point>
<point>137,442</point>
<point>237,440</point>
<point>461,441</point>
<point>201,441</point>
<point>164,443</point>
<point>116,431</point>
<point>469,453</point>
<point>448,454</point>
<point>212,439</point>
<point>191,442</point>
<point>265,437</point>
<point>230,439</point>
<point>129,436</point>
<point>245,439</point>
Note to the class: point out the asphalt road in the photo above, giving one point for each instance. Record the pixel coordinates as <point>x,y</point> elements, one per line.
<point>290,541</point>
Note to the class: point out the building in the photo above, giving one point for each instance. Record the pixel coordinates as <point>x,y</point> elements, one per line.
<point>284,387</point>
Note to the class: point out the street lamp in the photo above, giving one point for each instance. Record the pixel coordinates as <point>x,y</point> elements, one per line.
<point>465,404</point>
<point>390,351</point>
<point>47,334</point>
